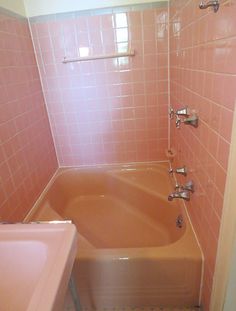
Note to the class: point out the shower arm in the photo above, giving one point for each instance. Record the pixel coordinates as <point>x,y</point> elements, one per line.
<point>213,3</point>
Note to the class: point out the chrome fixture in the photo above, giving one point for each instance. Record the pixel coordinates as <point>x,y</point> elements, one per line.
<point>177,187</point>
<point>130,53</point>
<point>189,186</point>
<point>179,170</point>
<point>178,122</point>
<point>184,194</point>
<point>171,113</point>
<point>213,3</point>
<point>182,112</point>
<point>179,221</point>
<point>193,120</point>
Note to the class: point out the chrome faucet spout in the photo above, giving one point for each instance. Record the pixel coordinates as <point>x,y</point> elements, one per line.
<point>179,195</point>
<point>212,3</point>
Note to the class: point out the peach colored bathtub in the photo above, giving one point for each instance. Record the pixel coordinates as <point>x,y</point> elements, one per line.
<point>130,251</point>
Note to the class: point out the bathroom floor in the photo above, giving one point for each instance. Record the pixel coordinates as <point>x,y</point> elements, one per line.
<point>70,307</point>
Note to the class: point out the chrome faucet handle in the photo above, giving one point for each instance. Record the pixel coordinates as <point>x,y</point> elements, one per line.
<point>183,112</point>
<point>189,186</point>
<point>193,120</point>
<point>185,195</point>
<point>179,170</point>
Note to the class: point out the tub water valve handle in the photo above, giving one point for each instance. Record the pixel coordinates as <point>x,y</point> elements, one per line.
<point>182,112</point>
<point>189,186</point>
<point>193,120</point>
<point>179,170</point>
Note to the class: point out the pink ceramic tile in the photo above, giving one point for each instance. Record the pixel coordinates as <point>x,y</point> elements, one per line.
<point>229,89</point>
<point>148,17</point>
<point>81,24</point>
<point>94,22</point>
<point>27,156</point>
<point>97,109</point>
<point>108,36</point>
<point>218,203</point>
<point>136,34</point>
<point>42,29</point>
<point>95,36</point>
<point>107,21</point>
<point>149,33</point>
<point>229,64</point>
<point>135,18</point>
<point>223,153</point>
<point>203,77</point>
<point>45,44</point>
<point>149,47</point>
<point>213,142</point>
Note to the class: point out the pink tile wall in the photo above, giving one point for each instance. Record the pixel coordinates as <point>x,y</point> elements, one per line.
<point>203,77</point>
<point>27,155</point>
<point>106,111</point>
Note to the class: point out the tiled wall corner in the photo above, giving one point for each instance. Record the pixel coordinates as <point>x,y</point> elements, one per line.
<point>203,77</point>
<point>27,155</point>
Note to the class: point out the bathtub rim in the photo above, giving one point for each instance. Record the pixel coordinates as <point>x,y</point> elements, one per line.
<point>110,252</point>
<point>108,170</point>
<point>59,171</point>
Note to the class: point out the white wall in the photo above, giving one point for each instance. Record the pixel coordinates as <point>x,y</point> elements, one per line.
<point>16,6</point>
<point>42,7</point>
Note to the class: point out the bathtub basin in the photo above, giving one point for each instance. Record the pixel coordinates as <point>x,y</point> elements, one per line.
<point>35,266</point>
<point>130,253</point>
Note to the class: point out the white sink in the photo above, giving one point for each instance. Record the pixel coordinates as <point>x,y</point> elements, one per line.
<point>35,265</point>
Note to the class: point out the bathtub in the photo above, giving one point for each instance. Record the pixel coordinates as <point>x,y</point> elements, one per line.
<point>130,251</point>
